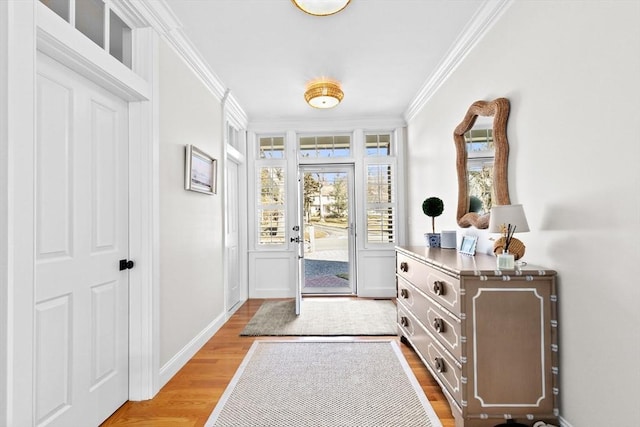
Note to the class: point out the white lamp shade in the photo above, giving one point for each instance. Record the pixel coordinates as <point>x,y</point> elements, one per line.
<point>504,215</point>
<point>321,7</point>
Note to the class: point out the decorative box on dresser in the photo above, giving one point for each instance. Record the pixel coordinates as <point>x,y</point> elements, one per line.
<point>488,337</point>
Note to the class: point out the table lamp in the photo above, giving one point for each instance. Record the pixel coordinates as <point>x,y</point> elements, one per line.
<point>506,220</point>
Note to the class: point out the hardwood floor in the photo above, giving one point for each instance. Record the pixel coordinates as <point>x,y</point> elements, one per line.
<point>191,395</point>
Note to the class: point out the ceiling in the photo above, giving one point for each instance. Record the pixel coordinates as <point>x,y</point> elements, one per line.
<point>266,51</point>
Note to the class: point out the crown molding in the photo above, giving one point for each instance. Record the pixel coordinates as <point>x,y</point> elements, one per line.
<point>482,21</point>
<point>235,113</point>
<point>159,15</point>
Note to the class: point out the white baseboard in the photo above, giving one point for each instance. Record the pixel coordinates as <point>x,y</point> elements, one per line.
<point>564,423</point>
<point>271,293</point>
<point>188,351</point>
<point>377,293</point>
<point>233,309</point>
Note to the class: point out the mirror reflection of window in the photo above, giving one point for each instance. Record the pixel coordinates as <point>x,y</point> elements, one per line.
<point>480,158</point>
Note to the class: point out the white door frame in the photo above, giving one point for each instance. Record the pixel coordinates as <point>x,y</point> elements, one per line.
<point>234,156</point>
<point>232,116</point>
<point>24,27</point>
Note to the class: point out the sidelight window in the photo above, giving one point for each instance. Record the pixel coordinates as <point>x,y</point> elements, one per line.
<point>271,191</point>
<point>381,201</point>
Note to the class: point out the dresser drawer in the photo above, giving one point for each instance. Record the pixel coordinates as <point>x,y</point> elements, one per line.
<point>441,287</point>
<point>444,326</point>
<point>440,363</point>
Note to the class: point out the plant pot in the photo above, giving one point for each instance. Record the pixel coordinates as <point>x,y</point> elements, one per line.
<point>432,240</point>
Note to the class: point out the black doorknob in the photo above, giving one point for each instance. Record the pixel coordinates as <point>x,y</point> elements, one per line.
<point>126,264</point>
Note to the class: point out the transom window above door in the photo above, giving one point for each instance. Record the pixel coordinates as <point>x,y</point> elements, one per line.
<point>96,20</point>
<point>378,144</point>
<point>324,146</point>
<point>271,147</point>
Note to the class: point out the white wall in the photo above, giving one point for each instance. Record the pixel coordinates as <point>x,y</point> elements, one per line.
<point>191,230</point>
<point>571,71</point>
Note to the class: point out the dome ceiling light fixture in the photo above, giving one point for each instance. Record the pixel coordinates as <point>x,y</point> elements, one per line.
<point>323,94</point>
<point>321,7</point>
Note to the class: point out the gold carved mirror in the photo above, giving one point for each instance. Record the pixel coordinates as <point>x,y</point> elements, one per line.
<point>482,152</point>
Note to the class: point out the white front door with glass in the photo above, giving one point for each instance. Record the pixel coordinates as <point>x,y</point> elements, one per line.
<point>327,229</point>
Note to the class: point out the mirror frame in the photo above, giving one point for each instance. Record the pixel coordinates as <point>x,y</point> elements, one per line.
<point>499,110</point>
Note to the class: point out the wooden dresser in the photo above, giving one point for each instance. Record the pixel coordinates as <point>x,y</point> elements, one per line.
<point>488,337</point>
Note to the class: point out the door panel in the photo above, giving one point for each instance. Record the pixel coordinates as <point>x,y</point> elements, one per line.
<point>53,339</point>
<point>82,298</point>
<point>328,224</point>
<point>54,159</point>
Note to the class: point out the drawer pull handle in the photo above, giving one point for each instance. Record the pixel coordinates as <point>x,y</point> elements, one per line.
<point>440,365</point>
<point>438,287</point>
<point>404,321</point>
<point>438,325</point>
<point>404,293</point>
<point>404,266</point>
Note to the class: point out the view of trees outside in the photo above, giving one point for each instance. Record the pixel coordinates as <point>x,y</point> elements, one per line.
<point>326,198</point>
<point>272,205</point>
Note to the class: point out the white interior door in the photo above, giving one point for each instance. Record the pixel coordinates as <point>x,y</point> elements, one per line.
<point>233,231</point>
<point>81,306</point>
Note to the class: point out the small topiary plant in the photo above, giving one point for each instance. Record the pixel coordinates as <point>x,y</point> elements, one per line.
<point>433,207</point>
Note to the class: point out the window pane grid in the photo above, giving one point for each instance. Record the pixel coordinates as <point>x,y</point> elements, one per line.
<point>271,186</point>
<point>119,39</point>
<point>271,210</point>
<point>325,146</point>
<point>380,184</point>
<point>99,23</point>
<point>380,204</point>
<point>378,144</point>
<point>271,147</point>
<point>90,20</point>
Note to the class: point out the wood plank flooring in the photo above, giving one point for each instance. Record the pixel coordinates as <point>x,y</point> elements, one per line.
<point>191,395</point>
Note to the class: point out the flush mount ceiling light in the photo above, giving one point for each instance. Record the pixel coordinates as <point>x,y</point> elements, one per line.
<point>323,94</point>
<point>321,7</point>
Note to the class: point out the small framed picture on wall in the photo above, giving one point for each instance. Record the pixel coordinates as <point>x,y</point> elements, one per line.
<point>200,171</point>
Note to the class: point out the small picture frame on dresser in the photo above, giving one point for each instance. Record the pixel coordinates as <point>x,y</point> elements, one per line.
<point>468,245</point>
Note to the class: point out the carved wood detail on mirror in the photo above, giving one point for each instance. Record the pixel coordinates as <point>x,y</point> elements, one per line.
<point>498,194</point>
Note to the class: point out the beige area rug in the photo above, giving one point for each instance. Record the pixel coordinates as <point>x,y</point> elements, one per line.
<point>315,384</point>
<point>324,317</point>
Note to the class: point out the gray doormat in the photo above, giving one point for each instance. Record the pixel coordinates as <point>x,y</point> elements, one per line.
<point>316,384</point>
<point>324,317</point>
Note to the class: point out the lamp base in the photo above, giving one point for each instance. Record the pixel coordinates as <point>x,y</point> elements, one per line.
<point>516,247</point>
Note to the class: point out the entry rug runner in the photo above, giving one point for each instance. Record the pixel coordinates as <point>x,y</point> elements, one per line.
<point>316,384</point>
<point>324,317</point>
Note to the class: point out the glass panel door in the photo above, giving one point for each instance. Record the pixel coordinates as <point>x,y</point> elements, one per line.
<point>328,229</point>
